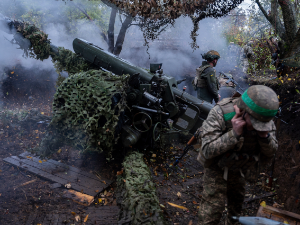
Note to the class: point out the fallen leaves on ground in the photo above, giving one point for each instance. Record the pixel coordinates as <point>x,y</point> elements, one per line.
<point>86,218</point>
<point>177,206</point>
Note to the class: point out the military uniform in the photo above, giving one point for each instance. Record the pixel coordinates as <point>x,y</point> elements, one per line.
<point>246,53</point>
<point>226,179</point>
<point>206,83</point>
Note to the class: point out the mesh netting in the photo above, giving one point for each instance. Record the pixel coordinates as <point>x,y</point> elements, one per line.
<point>137,191</point>
<point>86,110</point>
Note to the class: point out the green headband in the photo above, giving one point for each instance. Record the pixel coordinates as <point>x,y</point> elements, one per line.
<point>255,108</point>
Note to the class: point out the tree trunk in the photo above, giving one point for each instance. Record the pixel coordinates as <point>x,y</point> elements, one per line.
<point>289,20</point>
<point>121,36</point>
<point>111,30</point>
<point>295,46</point>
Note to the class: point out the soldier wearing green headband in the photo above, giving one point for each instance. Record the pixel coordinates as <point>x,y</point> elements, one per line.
<point>237,137</point>
<point>206,82</point>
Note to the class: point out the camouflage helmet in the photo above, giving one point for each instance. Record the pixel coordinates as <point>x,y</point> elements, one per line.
<point>262,104</point>
<point>211,55</point>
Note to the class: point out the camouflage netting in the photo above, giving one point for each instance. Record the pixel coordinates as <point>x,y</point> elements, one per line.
<point>86,111</point>
<point>63,59</point>
<point>68,61</point>
<point>137,193</point>
<point>40,48</point>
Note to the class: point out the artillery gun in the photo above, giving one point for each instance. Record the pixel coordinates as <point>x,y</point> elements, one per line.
<point>153,97</point>
<point>155,103</point>
<point>107,97</point>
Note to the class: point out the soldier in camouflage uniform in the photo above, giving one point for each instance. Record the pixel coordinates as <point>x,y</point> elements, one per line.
<point>246,54</point>
<point>237,136</point>
<point>206,82</point>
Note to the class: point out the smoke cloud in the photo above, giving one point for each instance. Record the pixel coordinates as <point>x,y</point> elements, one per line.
<point>172,48</point>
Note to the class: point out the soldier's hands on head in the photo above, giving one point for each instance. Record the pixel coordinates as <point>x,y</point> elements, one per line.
<point>238,123</point>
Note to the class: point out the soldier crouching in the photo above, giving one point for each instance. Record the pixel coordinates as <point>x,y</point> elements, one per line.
<point>237,137</point>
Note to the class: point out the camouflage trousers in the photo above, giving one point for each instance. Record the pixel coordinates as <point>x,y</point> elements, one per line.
<point>215,192</point>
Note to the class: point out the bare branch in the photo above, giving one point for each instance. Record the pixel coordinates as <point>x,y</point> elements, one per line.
<point>273,19</point>
<point>111,30</point>
<point>263,10</point>
<point>121,36</point>
<point>103,35</point>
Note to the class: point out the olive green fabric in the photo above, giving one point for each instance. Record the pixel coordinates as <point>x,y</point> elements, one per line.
<point>136,193</point>
<point>83,111</point>
<point>209,92</point>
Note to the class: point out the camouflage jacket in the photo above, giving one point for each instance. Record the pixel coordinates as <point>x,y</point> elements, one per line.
<point>207,82</point>
<point>217,139</point>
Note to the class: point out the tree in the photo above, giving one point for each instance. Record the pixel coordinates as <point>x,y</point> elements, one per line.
<point>283,15</point>
<point>157,13</point>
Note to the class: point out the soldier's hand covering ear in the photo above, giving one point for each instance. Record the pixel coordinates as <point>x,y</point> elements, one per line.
<point>238,123</point>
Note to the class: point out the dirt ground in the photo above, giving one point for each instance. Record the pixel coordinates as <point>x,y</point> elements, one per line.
<point>183,187</point>
<point>18,201</point>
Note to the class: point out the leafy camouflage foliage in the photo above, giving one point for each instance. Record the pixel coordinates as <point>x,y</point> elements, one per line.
<point>140,204</point>
<point>68,61</point>
<point>40,45</point>
<point>84,111</point>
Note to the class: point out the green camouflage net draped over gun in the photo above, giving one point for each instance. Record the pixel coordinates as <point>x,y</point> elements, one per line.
<point>84,113</point>
<point>66,60</point>
<point>63,59</point>
<point>137,192</point>
<point>40,45</point>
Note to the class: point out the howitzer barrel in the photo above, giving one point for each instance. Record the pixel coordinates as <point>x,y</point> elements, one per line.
<point>9,26</point>
<point>108,61</point>
<point>116,65</point>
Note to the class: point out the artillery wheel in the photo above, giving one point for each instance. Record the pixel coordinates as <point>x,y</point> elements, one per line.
<point>142,122</point>
<point>156,131</point>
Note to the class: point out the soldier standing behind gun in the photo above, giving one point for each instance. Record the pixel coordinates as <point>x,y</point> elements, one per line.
<point>246,54</point>
<point>206,82</point>
<point>237,136</point>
